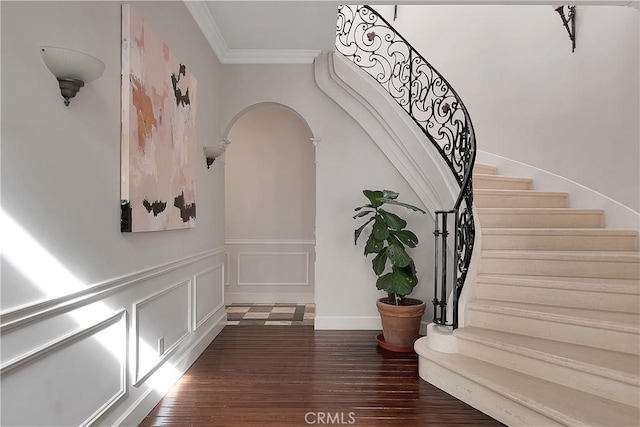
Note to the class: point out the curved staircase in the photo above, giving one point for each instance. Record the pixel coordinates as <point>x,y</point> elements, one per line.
<point>553,334</point>
<point>551,330</point>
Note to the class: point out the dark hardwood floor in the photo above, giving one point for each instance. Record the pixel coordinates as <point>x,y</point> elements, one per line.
<point>295,376</point>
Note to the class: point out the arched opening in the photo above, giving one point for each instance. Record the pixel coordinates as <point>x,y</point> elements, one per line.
<point>270,207</point>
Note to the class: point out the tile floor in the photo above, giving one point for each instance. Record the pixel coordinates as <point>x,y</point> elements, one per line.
<point>270,314</point>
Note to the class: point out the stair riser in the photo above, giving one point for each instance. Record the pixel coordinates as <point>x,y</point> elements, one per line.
<point>573,298</point>
<point>519,201</point>
<point>485,170</point>
<point>482,398</point>
<point>500,184</point>
<point>576,334</point>
<point>562,268</point>
<point>542,220</point>
<point>559,242</point>
<point>598,385</point>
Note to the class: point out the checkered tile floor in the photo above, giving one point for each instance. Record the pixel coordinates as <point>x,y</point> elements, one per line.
<point>271,314</point>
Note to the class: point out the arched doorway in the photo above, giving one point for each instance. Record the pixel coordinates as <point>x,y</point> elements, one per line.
<point>270,207</point>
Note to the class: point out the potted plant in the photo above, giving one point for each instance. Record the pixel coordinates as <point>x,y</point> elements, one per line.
<point>394,267</point>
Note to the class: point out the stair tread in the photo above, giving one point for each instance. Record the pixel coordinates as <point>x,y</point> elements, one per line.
<point>501,177</point>
<point>622,286</point>
<point>539,217</point>
<point>593,256</point>
<point>564,404</point>
<point>491,169</point>
<point>612,364</point>
<point>560,231</point>
<point>501,192</point>
<point>546,211</point>
<point>610,320</point>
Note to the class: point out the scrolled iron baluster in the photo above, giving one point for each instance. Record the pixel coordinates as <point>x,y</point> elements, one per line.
<point>436,264</point>
<point>366,38</point>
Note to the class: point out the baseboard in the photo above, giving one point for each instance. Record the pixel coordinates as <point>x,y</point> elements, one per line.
<point>424,326</point>
<point>269,298</point>
<point>134,415</point>
<point>372,323</point>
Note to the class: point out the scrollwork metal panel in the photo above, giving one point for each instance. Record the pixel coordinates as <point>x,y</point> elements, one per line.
<point>368,40</point>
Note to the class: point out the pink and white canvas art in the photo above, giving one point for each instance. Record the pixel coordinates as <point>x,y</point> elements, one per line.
<point>158,132</point>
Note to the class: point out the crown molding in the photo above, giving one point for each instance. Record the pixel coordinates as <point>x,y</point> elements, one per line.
<point>270,56</point>
<point>203,17</point>
<point>207,24</point>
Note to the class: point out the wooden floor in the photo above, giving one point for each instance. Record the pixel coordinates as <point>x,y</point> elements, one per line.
<point>295,376</point>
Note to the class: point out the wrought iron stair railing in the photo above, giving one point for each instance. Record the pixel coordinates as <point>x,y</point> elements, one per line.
<point>367,39</point>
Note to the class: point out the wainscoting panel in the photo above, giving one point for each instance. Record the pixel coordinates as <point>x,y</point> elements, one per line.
<point>275,268</point>
<point>161,323</point>
<point>33,391</point>
<point>99,347</point>
<point>270,271</point>
<point>208,294</point>
<point>226,268</point>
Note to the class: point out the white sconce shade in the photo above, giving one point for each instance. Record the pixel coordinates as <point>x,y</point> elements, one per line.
<point>212,152</point>
<point>72,68</point>
<point>71,64</point>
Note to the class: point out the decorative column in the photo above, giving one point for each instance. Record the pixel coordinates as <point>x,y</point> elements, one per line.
<point>315,142</point>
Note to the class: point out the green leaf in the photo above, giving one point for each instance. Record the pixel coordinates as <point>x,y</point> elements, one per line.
<point>380,262</point>
<point>380,230</point>
<point>373,246</point>
<point>393,240</point>
<point>388,194</point>
<point>374,197</point>
<point>362,207</point>
<point>406,205</point>
<point>385,283</point>
<point>404,285</point>
<point>407,237</point>
<point>359,230</point>
<point>410,271</point>
<point>396,282</point>
<point>398,255</point>
<point>393,221</point>
<point>362,213</point>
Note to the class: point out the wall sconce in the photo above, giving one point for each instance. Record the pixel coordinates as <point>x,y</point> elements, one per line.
<point>566,21</point>
<point>212,152</point>
<point>72,69</point>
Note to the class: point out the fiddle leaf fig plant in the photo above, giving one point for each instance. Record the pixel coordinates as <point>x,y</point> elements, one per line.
<point>388,240</point>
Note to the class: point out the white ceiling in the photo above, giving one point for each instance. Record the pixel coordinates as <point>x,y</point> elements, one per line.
<point>296,31</point>
<point>276,25</point>
<point>266,31</point>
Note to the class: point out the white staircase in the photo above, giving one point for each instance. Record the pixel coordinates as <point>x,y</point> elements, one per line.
<point>553,335</point>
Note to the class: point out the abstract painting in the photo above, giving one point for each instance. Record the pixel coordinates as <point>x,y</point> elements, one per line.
<point>158,132</point>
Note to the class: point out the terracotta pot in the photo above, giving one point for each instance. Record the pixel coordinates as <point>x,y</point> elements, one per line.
<point>401,323</point>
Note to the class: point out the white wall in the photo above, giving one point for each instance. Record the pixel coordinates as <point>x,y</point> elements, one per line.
<point>530,98</point>
<point>269,171</point>
<point>270,207</point>
<point>82,316</point>
<point>347,161</point>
